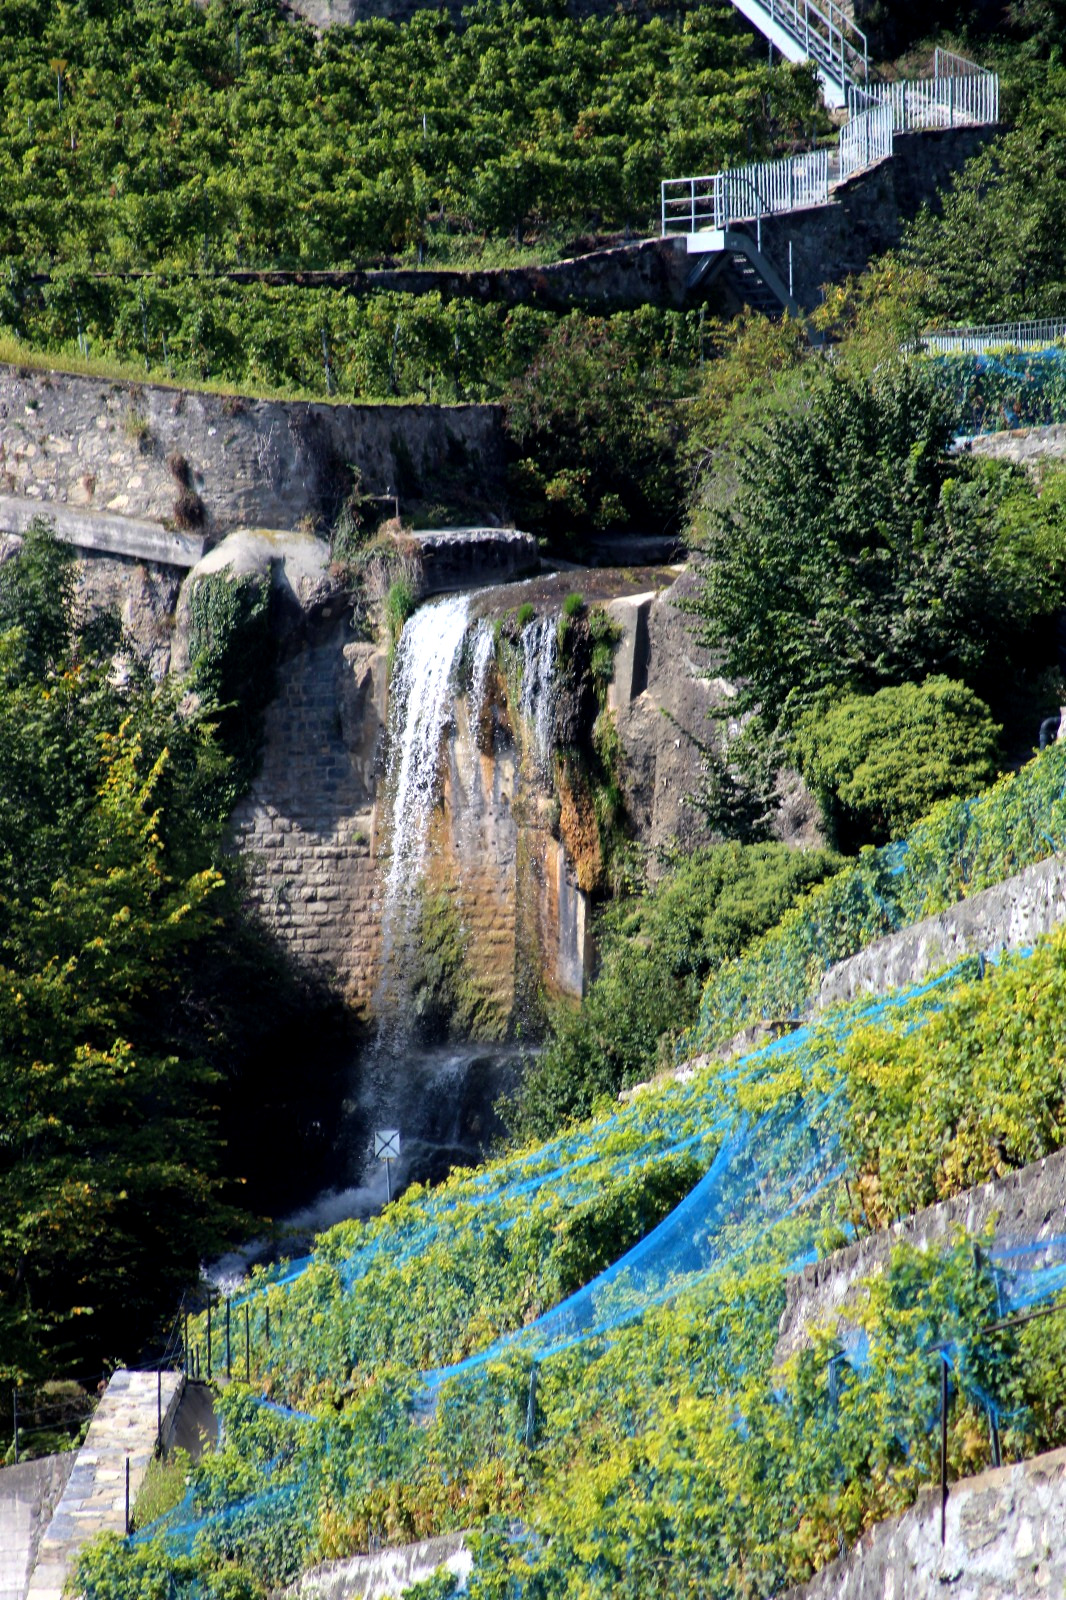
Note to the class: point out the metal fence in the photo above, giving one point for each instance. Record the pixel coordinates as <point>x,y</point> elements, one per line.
<point>1034,334</point>
<point>827,34</point>
<point>952,101</point>
<point>867,138</point>
<point>744,194</point>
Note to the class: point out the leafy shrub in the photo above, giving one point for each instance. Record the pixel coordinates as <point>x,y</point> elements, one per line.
<point>232,658</point>
<point>594,449</point>
<point>879,762</point>
<point>656,951</point>
<point>400,602</point>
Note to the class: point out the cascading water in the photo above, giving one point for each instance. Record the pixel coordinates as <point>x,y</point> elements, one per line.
<point>540,654</point>
<point>440,1095</point>
<point>420,706</point>
<point>482,654</point>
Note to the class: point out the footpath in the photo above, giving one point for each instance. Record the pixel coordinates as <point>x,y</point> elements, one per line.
<point>125,1427</point>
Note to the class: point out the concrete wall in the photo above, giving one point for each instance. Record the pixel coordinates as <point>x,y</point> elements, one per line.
<point>1009,915</point>
<point>1026,1206</point>
<point>118,449</point>
<point>1005,1540</point>
<point>28,1496</point>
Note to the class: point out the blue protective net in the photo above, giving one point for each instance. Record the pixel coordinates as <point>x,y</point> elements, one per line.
<point>768,1129</point>
<point>1004,388</point>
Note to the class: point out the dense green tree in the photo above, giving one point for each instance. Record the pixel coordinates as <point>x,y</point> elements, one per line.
<point>594,443</point>
<point>854,551</point>
<point>147,1024</point>
<point>998,249</point>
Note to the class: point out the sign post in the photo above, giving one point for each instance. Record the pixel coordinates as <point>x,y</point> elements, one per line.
<point>387,1149</point>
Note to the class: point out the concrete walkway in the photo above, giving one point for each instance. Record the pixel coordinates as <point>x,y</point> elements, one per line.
<point>94,1501</point>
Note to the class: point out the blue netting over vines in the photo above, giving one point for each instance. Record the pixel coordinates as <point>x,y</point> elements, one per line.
<point>961,847</point>
<point>351,1405</point>
<point>1004,388</point>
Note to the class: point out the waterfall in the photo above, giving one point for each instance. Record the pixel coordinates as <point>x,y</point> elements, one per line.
<point>484,650</point>
<point>419,707</point>
<point>540,652</point>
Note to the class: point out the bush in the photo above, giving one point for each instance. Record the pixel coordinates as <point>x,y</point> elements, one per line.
<point>400,602</point>
<point>656,953</point>
<point>878,762</point>
<point>594,447</point>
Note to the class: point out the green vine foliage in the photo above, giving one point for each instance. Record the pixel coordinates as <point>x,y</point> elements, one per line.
<point>962,846</point>
<point>232,657</point>
<point>232,135</point>
<point>669,1454</point>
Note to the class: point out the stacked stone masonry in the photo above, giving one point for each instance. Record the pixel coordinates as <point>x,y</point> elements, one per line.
<point>210,462</point>
<point>1027,1206</point>
<point>137,1409</point>
<point>1004,1539</point>
<point>307,826</point>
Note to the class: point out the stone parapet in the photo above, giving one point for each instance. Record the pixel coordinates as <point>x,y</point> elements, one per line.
<point>124,1429</point>
<point>204,464</point>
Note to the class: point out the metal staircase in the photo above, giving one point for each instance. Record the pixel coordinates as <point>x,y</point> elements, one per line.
<point>804,30</point>
<point>705,211</point>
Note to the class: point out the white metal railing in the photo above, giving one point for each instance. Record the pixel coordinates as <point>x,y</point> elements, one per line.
<point>946,64</point>
<point>827,35</point>
<point>744,194</point>
<point>866,139</point>
<point>957,100</point>
<point>1031,334</point>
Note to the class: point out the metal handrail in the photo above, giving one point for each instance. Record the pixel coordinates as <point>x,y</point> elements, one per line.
<point>827,34</point>
<point>714,200</point>
<point>1031,333</point>
<point>958,100</point>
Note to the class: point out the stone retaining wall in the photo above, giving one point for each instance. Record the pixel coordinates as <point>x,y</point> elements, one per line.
<point>385,1574</point>
<point>1025,446</point>
<point>1005,1540</point>
<point>308,823</point>
<point>1028,1205</point>
<point>1009,915</point>
<point>206,463</point>
<point>28,1495</point>
<point>867,214</point>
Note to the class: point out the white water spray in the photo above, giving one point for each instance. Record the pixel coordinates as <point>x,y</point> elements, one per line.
<point>419,708</point>
<point>540,654</point>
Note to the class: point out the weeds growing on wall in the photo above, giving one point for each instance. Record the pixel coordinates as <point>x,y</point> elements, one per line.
<point>232,657</point>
